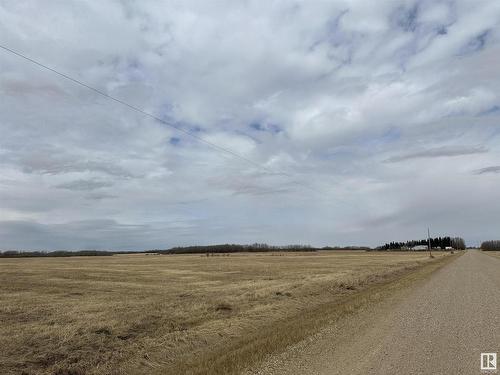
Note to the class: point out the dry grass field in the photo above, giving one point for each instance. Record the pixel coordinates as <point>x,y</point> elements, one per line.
<point>176,314</point>
<point>493,253</point>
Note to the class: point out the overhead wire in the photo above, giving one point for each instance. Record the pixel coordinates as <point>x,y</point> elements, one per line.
<point>156,118</point>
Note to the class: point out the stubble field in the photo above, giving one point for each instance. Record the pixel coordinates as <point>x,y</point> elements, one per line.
<point>493,253</point>
<point>177,314</point>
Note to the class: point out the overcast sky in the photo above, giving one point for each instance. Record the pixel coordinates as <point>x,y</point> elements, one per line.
<point>372,120</point>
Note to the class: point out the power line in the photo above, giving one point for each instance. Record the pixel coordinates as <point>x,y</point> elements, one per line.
<point>139,110</point>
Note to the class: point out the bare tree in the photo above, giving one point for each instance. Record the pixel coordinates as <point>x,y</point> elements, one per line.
<point>491,245</point>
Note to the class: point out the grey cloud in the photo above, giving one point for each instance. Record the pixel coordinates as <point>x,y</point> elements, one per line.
<point>16,87</point>
<point>54,165</point>
<point>439,152</point>
<point>104,234</point>
<point>477,43</point>
<point>492,111</point>
<point>84,185</point>
<point>407,18</point>
<point>88,234</point>
<point>100,196</point>
<point>493,169</point>
<point>258,190</point>
<point>55,160</point>
<point>255,184</point>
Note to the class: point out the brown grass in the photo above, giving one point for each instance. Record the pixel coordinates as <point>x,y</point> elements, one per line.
<point>495,254</point>
<point>179,314</point>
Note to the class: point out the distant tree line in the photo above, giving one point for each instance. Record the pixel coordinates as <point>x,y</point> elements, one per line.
<point>438,242</point>
<point>491,245</point>
<point>223,248</point>
<point>256,247</point>
<point>31,254</point>
<point>363,248</point>
<point>234,248</point>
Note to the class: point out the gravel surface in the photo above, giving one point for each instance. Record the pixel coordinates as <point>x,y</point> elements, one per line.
<point>440,326</point>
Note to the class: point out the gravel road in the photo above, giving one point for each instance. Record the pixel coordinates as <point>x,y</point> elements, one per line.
<point>440,326</point>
